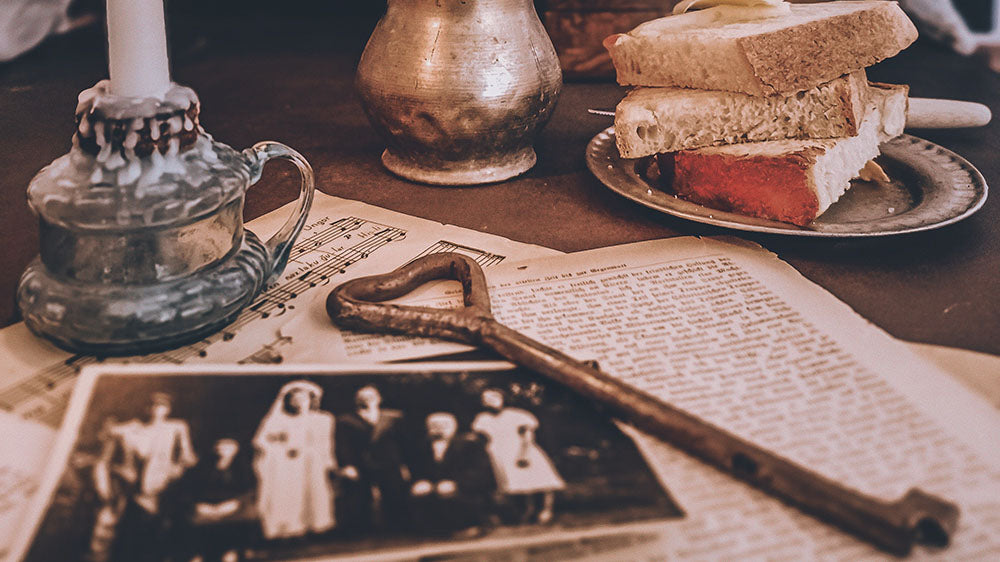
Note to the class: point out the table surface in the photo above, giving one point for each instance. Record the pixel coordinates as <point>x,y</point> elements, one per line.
<point>291,80</point>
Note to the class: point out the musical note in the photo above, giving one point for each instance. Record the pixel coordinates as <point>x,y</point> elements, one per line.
<point>482,257</point>
<point>268,354</point>
<point>54,383</point>
<point>288,294</point>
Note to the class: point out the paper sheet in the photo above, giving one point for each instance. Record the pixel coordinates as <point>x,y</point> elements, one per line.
<point>24,448</point>
<point>342,239</point>
<point>607,499</point>
<point>731,333</point>
<point>722,328</point>
<point>979,372</point>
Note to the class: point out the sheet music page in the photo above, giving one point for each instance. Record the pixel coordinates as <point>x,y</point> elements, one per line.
<point>721,328</point>
<point>731,333</point>
<point>342,239</point>
<point>24,449</point>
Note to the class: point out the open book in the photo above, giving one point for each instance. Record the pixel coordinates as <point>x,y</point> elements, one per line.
<point>731,333</point>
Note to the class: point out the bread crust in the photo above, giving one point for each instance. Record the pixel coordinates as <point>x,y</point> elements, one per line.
<point>782,60</point>
<point>792,181</point>
<point>793,59</point>
<point>652,120</point>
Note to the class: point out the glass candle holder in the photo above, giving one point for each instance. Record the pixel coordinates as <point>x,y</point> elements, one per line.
<point>142,245</point>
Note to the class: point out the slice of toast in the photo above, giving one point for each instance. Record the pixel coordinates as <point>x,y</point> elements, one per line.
<point>710,49</point>
<point>787,180</point>
<point>653,120</point>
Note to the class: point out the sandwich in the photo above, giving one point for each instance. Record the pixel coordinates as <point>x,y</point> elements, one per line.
<point>653,120</point>
<point>791,181</point>
<point>768,47</point>
<point>762,108</point>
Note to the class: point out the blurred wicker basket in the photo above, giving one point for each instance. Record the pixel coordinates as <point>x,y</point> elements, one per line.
<point>577,28</point>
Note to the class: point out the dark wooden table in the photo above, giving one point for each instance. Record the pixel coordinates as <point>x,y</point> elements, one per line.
<point>291,80</point>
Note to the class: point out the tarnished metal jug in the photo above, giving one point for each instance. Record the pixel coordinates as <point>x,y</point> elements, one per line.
<point>459,89</point>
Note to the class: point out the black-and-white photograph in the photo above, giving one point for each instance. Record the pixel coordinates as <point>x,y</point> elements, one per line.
<point>284,464</point>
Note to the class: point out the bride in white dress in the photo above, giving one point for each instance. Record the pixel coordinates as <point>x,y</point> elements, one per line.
<point>293,461</point>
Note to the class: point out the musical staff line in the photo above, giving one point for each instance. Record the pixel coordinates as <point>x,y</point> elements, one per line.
<point>339,228</point>
<point>268,354</point>
<point>482,257</point>
<point>43,395</point>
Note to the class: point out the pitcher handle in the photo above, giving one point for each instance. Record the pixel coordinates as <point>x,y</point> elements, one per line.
<point>280,244</point>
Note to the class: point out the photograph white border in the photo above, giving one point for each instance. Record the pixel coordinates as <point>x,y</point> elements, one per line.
<point>82,393</point>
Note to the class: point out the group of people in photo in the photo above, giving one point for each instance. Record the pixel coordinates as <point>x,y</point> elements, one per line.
<point>308,472</point>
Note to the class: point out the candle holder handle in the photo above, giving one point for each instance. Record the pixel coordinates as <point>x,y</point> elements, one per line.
<point>280,244</point>
<point>142,242</point>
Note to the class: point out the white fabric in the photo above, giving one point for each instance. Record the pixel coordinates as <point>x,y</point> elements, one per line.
<point>943,21</point>
<point>439,447</point>
<point>24,23</point>
<point>508,444</point>
<point>294,455</point>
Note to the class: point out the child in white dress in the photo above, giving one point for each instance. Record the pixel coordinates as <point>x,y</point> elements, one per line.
<point>521,467</point>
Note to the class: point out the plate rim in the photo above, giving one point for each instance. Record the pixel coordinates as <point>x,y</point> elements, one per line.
<point>596,150</point>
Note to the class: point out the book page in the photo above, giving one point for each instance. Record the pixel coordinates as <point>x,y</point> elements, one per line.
<point>729,332</point>
<point>719,327</point>
<point>342,239</point>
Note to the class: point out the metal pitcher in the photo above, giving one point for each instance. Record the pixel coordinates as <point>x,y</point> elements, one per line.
<point>459,89</point>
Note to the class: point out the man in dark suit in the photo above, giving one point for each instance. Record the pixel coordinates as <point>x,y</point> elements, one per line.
<point>369,448</point>
<point>452,481</point>
<point>218,494</point>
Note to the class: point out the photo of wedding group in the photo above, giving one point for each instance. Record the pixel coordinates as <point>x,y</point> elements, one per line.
<point>197,467</point>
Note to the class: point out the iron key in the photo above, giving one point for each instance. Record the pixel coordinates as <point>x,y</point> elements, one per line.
<point>894,526</point>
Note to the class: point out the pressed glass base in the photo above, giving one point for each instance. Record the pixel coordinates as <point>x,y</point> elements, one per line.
<point>497,168</point>
<point>116,319</point>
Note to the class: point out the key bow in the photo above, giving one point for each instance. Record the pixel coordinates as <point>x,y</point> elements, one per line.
<point>358,304</point>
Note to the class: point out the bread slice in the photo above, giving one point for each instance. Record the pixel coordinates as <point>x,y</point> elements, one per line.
<point>713,50</point>
<point>653,120</point>
<point>787,180</point>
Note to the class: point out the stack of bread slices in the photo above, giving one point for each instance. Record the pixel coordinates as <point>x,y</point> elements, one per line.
<point>762,110</point>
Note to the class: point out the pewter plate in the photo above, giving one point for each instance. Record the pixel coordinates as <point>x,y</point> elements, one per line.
<point>931,187</point>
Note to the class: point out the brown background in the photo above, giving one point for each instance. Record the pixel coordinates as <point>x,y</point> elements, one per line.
<point>287,76</point>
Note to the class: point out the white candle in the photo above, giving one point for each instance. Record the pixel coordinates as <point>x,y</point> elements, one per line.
<point>137,48</point>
